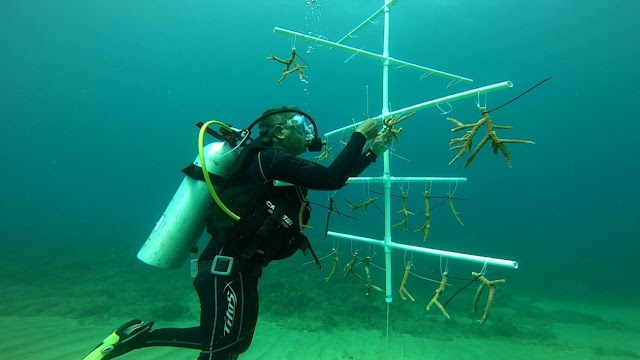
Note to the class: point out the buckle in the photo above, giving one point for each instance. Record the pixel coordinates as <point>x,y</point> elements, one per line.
<point>194,268</point>
<point>222,265</point>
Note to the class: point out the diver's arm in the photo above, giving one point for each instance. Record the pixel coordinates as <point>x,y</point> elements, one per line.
<point>279,165</point>
<point>380,144</point>
<point>367,158</point>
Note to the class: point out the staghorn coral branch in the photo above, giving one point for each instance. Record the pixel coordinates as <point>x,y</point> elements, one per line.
<point>497,144</point>
<point>426,227</point>
<point>489,284</point>
<point>404,294</point>
<point>456,214</point>
<point>364,204</point>
<point>476,150</point>
<point>434,299</point>
<point>514,141</point>
<point>287,64</point>
<point>405,214</point>
<point>335,265</point>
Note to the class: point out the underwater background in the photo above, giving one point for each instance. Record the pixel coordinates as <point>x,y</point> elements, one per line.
<point>98,106</point>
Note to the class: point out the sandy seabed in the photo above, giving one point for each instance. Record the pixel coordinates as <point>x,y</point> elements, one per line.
<point>57,312</point>
<point>59,338</point>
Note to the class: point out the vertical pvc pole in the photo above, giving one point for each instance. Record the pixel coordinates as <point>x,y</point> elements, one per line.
<point>387,172</point>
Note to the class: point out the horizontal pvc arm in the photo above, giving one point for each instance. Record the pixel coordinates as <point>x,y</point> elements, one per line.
<point>431,103</point>
<point>428,251</point>
<point>405,179</point>
<point>318,40</point>
<point>392,179</point>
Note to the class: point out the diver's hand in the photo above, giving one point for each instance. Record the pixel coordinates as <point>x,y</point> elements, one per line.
<point>368,128</point>
<point>381,143</point>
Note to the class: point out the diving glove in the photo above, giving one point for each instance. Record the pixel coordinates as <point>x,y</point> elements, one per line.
<point>127,337</point>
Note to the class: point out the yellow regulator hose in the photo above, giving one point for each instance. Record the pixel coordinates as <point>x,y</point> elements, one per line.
<point>205,173</point>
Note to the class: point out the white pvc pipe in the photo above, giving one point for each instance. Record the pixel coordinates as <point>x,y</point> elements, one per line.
<point>386,175</point>
<point>365,23</point>
<point>392,180</point>
<point>428,251</point>
<point>328,43</point>
<point>432,103</point>
<point>405,179</point>
<point>386,179</point>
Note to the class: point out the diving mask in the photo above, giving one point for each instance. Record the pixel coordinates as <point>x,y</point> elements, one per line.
<point>303,126</point>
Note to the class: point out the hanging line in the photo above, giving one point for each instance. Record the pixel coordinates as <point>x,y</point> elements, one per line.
<point>519,96</point>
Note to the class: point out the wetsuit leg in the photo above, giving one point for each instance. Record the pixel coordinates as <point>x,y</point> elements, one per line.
<point>228,313</point>
<point>190,338</point>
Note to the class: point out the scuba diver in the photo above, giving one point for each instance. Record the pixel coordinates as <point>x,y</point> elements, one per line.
<point>271,220</point>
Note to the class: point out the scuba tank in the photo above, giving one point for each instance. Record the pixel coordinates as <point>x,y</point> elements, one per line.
<point>178,230</point>
<point>184,220</point>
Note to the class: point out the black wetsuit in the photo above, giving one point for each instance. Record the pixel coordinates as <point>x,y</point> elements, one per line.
<point>229,303</point>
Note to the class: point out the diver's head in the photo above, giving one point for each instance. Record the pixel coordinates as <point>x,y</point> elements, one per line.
<point>287,130</point>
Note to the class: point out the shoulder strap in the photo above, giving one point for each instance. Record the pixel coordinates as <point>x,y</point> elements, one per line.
<point>244,153</point>
<point>195,172</point>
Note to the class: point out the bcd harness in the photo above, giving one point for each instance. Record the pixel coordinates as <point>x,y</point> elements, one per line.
<point>267,221</point>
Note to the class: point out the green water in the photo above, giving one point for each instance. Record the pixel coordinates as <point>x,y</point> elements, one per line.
<point>99,100</point>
